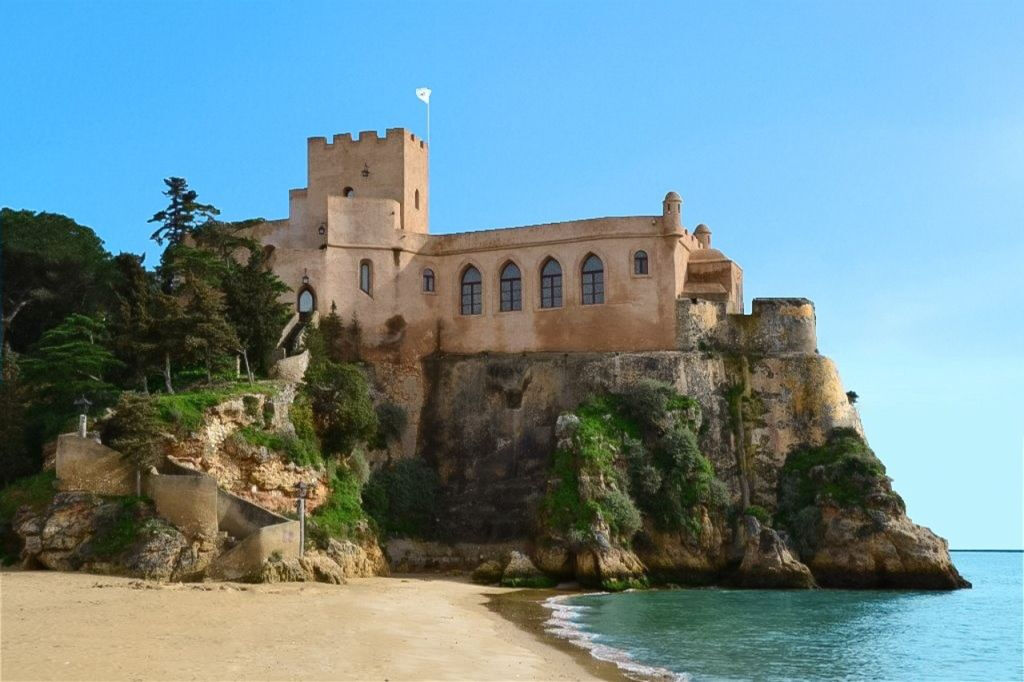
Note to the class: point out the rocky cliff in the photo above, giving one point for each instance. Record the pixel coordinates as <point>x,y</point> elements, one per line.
<point>764,393</point>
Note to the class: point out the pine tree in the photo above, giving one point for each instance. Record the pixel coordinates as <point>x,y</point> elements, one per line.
<point>72,360</point>
<point>133,327</point>
<point>252,295</point>
<point>178,220</point>
<point>207,333</point>
<point>14,459</point>
<point>134,431</point>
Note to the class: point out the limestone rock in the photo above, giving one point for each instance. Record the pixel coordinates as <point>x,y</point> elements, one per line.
<point>82,531</point>
<point>554,559</point>
<point>869,548</point>
<point>609,567</point>
<point>313,567</point>
<point>681,557</point>
<point>767,561</point>
<point>357,561</point>
<point>488,573</point>
<point>520,572</point>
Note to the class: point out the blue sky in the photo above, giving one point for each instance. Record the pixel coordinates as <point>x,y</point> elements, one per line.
<point>866,155</point>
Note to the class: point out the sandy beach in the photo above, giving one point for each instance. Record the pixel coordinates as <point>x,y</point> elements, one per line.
<point>69,626</point>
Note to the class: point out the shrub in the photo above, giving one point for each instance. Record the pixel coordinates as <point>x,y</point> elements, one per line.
<point>134,430</point>
<point>759,513</point>
<point>391,423</point>
<point>404,499</point>
<point>342,411</point>
<point>621,513</point>
<point>252,406</point>
<point>843,470</point>
<point>35,491</point>
<point>338,516</point>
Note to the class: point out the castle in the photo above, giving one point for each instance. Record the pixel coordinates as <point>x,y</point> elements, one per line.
<point>357,240</point>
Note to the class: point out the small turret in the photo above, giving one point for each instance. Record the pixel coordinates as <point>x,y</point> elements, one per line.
<point>703,235</point>
<point>672,212</point>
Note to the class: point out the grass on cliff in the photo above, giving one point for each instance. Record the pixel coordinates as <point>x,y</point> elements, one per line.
<point>579,497</point>
<point>847,467</point>
<point>185,409</point>
<point>339,515</point>
<point>35,491</point>
<point>633,452</point>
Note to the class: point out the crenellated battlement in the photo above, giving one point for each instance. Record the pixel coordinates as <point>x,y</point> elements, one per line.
<point>775,326</point>
<point>391,136</point>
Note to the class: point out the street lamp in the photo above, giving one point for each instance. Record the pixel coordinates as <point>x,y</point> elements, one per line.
<point>301,490</point>
<point>83,404</point>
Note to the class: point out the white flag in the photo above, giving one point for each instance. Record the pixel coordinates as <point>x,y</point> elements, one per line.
<point>423,94</point>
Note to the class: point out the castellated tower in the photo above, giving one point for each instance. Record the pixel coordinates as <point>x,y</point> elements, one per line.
<point>392,167</point>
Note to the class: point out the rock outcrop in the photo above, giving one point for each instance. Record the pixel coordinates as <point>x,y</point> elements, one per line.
<point>766,560</point>
<point>873,548</point>
<point>82,531</point>
<point>848,525</point>
<point>312,567</point>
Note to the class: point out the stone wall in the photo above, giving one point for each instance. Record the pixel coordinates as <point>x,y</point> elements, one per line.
<point>189,501</point>
<point>84,464</point>
<point>488,422</point>
<point>280,539</point>
<point>774,326</point>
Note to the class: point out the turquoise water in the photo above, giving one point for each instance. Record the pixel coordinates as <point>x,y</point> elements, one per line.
<point>719,634</point>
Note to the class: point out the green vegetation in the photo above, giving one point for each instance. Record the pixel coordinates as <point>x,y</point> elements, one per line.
<point>134,430</point>
<point>574,504</point>
<point>843,471</point>
<point>403,499</point>
<point>622,584</point>
<point>298,450</point>
<point>633,455</point>
<point>759,513</point>
<point>133,521</point>
<point>342,410</point>
<point>36,491</point>
<point>185,410</point>
<point>339,516</point>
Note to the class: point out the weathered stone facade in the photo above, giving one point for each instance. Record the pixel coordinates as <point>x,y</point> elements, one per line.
<point>357,238</point>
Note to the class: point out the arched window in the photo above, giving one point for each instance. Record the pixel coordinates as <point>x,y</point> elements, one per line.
<point>593,280</point>
<point>511,288</point>
<point>348,192</point>
<point>417,200</point>
<point>640,266</point>
<point>472,292</point>
<point>366,277</point>
<point>428,280</point>
<point>551,284</point>
<point>307,302</point>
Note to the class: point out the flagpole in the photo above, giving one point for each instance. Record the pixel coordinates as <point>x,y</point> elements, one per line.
<point>423,94</point>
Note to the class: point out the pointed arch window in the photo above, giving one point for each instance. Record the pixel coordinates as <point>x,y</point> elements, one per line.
<point>428,281</point>
<point>472,292</point>
<point>511,288</point>
<point>593,280</point>
<point>366,277</point>
<point>307,301</point>
<point>551,284</point>
<point>640,263</point>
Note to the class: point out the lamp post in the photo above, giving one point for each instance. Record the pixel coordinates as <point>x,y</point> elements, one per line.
<point>301,491</point>
<point>83,404</point>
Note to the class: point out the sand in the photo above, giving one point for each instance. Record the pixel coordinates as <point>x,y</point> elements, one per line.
<point>71,626</point>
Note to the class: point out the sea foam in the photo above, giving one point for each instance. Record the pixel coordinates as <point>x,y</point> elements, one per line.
<point>564,623</point>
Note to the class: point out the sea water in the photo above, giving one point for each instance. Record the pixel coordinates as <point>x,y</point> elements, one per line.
<point>724,634</point>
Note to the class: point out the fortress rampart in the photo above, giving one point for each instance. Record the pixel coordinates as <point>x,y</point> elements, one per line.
<point>775,326</point>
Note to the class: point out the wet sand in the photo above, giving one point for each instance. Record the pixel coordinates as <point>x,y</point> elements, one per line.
<point>70,626</point>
